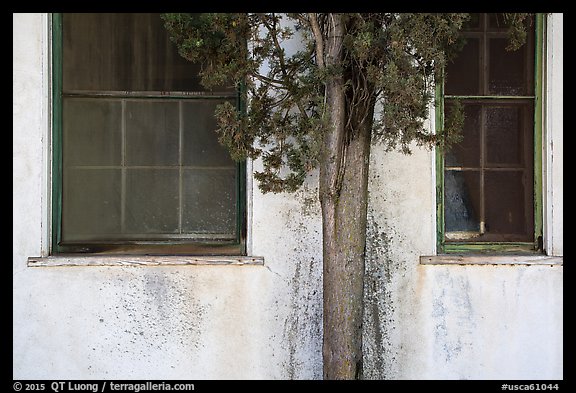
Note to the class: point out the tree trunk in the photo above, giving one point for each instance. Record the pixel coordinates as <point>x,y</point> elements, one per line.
<point>344,226</point>
<point>343,197</point>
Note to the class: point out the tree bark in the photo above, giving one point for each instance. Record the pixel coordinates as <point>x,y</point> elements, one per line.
<point>344,231</point>
<point>343,197</point>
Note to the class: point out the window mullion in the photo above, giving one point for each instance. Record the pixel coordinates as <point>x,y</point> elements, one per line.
<point>485,91</point>
<point>482,169</point>
<point>123,169</point>
<point>180,164</point>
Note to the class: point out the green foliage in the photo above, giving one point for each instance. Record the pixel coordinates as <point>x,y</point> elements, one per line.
<point>516,23</point>
<point>391,61</point>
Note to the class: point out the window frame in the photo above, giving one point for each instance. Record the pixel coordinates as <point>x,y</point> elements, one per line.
<point>176,246</point>
<point>444,246</point>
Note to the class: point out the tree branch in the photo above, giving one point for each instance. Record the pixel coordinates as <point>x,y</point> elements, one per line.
<point>318,39</point>
<point>287,77</point>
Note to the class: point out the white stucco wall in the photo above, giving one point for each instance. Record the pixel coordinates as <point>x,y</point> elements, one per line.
<point>265,322</point>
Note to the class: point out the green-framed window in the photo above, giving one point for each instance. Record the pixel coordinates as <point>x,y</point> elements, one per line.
<point>489,185</point>
<point>137,167</point>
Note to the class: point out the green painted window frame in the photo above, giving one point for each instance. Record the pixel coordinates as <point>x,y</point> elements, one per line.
<point>175,247</point>
<point>444,247</point>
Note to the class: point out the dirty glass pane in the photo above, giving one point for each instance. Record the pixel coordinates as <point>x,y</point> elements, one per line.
<point>507,70</point>
<point>461,201</point>
<point>91,204</point>
<point>473,23</point>
<point>152,133</point>
<point>463,73</point>
<point>496,22</point>
<point>200,141</point>
<point>139,166</point>
<point>467,152</point>
<point>152,201</point>
<point>506,209</point>
<point>209,204</point>
<point>124,52</point>
<point>505,129</point>
<point>92,132</point>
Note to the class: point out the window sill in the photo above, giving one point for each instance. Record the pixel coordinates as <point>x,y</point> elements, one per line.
<point>142,260</point>
<point>459,259</point>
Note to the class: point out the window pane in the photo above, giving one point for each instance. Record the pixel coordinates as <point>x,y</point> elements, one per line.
<point>201,146</point>
<point>507,69</point>
<point>123,52</point>
<point>473,23</point>
<point>461,201</point>
<point>92,132</point>
<point>496,22</point>
<point>209,201</point>
<point>91,204</point>
<point>463,74</point>
<point>507,211</point>
<point>152,133</point>
<point>506,129</point>
<point>152,201</point>
<point>145,167</point>
<point>467,152</point>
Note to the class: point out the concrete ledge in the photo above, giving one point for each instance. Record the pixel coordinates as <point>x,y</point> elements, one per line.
<point>460,259</point>
<point>141,260</point>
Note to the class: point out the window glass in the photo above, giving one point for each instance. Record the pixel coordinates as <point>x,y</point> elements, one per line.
<point>200,147</point>
<point>507,70</point>
<point>214,209</point>
<point>152,132</point>
<point>92,131</point>
<point>462,201</point>
<point>467,152</point>
<point>151,201</point>
<point>462,74</point>
<point>508,133</point>
<point>141,158</point>
<point>489,175</point>
<point>124,52</point>
<point>92,204</point>
<point>507,211</point>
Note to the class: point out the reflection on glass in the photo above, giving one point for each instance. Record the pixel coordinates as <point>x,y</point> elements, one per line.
<point>152,132</point>
<point>91,204</point>
<point>466,153</point>
<point>209,201</point>
<point>152,201</point>
<point>123,52</point>
<point>200,142</point>
<point>463,74</point>
<point>461,201</point>
<point>505,203</point>
<point>92,131</point>
<point>473,23</point>
<point>507,72</point>
<point>504,129</point>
